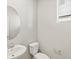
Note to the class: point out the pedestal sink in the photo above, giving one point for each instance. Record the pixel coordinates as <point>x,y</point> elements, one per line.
<point>17,52</point>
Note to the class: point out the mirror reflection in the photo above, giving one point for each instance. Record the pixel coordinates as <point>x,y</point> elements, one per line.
<point>13,23</point>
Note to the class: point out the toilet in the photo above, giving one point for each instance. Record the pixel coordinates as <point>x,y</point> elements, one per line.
<point>34,51</point>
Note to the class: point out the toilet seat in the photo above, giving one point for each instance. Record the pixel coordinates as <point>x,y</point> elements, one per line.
<point>41,56</point>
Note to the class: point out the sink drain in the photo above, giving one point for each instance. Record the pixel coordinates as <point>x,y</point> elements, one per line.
<point>13,55</point>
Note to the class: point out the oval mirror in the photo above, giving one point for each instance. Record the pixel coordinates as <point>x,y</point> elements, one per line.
<point>13,22</point>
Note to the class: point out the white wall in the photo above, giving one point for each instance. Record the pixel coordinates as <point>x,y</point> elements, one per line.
<point>54,37</point>
<point>27,12</point>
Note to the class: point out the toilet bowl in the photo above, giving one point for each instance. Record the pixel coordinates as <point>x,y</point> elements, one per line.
<point>41,56</point>
<point>34,48</point>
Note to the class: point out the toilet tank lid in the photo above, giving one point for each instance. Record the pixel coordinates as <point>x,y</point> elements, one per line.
<point>41,56</point>
<point>33,44</point>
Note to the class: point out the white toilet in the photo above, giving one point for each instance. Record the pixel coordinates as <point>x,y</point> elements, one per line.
<point>34,48</point>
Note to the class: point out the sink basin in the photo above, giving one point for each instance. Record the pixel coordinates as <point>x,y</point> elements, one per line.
<point>16,51</point>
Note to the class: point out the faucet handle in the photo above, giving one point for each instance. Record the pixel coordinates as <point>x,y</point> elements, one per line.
<point>10,45</point>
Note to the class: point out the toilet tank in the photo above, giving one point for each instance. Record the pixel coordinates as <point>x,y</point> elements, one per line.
<point>34,47</point>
